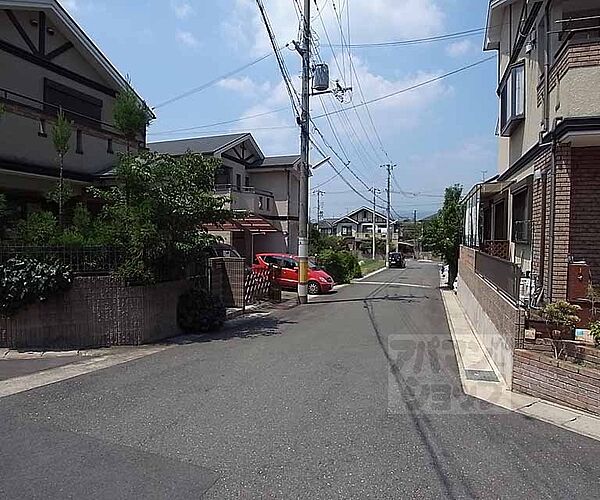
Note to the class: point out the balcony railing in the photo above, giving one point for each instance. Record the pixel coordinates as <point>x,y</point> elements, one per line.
<point>503,274</point>
<point>227,188</point>
<point>49,111</point>
<point>247,198</point>
<point>497,248</point>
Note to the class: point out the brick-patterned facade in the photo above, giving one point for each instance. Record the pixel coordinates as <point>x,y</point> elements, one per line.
<point>578,55</point>
<point>562,382</point>
<point>585,207</point>
<point>574,234</point>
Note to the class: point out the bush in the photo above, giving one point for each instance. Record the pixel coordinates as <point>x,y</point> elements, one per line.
<point>342,266</point>
<point>200,311</point>
<point>595,330</point>
<point>27,281</point>
<point>38,229</point>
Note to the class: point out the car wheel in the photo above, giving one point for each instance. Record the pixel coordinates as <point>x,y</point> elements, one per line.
<point>313,288</point>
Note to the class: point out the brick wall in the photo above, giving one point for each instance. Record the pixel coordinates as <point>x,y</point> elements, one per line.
<point>96,312</point>
<point>562,221</point>
<point>562,382</point>
<point>577,214</point>
<point>539,212</point>
<point>585,207</point>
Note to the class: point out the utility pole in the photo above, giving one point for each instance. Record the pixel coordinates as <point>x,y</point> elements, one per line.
<point>415,233</point>
<point>319,194</point>
<point>375,193</point>
<point>304,152</point>
<point>390,168</point>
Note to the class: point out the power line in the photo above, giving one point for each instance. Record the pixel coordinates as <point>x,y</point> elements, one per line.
<point>377,99</point>
<point>348,123</point>
<point>212,82</point>
<point>417,41</point>
<point>226,122</point>
<point>416,86</point>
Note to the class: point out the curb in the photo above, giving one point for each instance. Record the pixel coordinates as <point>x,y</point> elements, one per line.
<point>384,268</point>
<point>498,394</point>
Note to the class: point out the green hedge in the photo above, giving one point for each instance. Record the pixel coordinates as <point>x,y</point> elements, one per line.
<point>27,281</point>
<point>342,266</point>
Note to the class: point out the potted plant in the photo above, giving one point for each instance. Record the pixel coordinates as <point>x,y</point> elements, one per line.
<point>562,316</point>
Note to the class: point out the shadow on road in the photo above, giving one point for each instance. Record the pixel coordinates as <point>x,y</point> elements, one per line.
<point>244,328</point>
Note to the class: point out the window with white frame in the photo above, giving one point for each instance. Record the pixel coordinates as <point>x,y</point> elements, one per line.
<point>512,100</point>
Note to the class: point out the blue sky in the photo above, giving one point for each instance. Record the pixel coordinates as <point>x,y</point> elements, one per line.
<point>437,135</point>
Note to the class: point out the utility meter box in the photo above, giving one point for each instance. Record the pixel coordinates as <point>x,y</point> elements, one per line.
<point>321,78</point>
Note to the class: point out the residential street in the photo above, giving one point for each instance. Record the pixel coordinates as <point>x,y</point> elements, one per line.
<point>306,403</point>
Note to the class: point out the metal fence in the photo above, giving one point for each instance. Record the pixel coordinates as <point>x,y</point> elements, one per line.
<point>84,261</point>
<point>505,275</point>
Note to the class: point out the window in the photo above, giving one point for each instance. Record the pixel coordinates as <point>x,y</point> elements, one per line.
<point>521,224</point>
<point>79,149</point>
<point>268,204</point>
<point>238,182</point>
<point>512,100</point>
<point>260,203</point>
<point>346,230</point>
<point>247,184</point>
<point>109,147</point>
<point>79,107</point>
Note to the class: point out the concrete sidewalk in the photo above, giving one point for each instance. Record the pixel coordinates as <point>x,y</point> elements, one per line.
<point>481,379</point>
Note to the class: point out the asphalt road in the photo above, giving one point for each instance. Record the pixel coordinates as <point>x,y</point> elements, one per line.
<point>355,396</point>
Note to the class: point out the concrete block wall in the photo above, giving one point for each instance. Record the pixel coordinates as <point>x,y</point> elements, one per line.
<point>96,312</point>
<point>562,382</point>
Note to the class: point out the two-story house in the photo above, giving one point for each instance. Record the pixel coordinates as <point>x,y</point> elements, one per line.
<point>48,63</point>
<point>264,192</point>
<point>529,225</point>
<point>355,224</point>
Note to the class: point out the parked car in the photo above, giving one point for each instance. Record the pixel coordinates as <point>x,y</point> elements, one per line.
<point>222,250</point>
<point>318,280</point>
<point>397,260</point>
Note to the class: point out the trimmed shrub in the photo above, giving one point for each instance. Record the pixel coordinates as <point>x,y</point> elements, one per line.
<point>342,266</point>
<point>199,311</point>
<point>27,281</point>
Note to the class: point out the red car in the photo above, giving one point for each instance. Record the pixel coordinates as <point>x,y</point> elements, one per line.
<point>318,280</point>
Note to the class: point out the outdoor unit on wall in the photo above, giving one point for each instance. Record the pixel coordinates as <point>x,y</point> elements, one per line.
<point>321,77</point>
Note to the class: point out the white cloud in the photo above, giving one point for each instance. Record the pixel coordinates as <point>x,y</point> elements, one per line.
<point>188,39</point>
<point>370,20</point>
<point>460,48</point>
<point>400,112</point>
<point>461,164</point>
<point>182,9</point>
<point>245,86</point>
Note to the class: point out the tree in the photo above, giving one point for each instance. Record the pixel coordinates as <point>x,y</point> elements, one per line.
<point>562,316</point>
<point>443,233</point>
<point>61,136</point>
<point>131,117</point>
<point>156,211</point>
